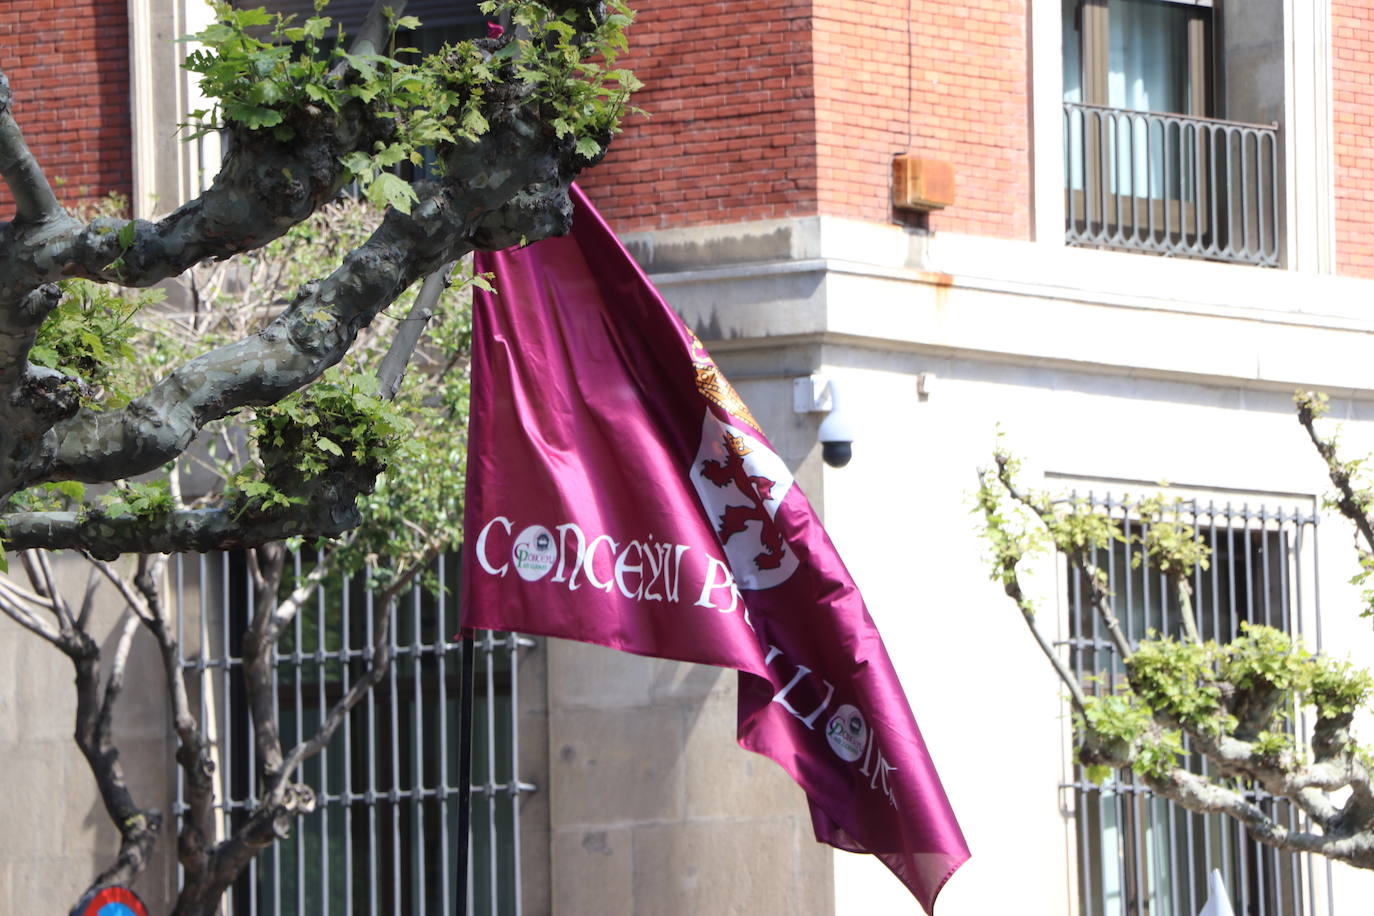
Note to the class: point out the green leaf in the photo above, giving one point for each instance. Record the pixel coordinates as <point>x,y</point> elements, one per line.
<point>587,147</point>
<point>389,189</point>
<point>473,121</point>
<point>390,155</point>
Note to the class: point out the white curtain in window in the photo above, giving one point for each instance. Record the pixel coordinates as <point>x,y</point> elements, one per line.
<point>1147,70</point>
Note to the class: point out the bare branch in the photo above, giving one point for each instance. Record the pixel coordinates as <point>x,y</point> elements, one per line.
<point>393,365</point>
<point>27,619</point>
<point>138,827</point>
<point>88,599</point>
<point>196,838</point>
<point>381,658</point>
<point>259,648</point>
<point>132,598</point>
<point>60,607</point>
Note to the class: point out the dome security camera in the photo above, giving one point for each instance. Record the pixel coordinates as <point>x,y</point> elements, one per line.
<point>836,432</point>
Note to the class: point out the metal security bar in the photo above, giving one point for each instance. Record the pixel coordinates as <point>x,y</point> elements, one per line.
<point>1139,854</point>
<point>384,837</point>
<point>1171,184</point>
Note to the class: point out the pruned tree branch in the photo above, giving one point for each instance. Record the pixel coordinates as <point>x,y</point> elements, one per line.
<point>1351,503</point>
<point>1201,795</point>
<point>33,197</point>
<point>1233,704</point>
<point>1078,557</point>
<point>1006,571</point>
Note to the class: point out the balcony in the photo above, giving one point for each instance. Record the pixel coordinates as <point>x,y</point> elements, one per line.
<point>1171,185</point>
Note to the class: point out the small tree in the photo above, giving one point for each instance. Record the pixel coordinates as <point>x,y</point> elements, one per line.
<point>277,404</point>
<point>1233,704</point>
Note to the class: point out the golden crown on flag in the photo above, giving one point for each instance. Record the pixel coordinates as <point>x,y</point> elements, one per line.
<point>716,388</point>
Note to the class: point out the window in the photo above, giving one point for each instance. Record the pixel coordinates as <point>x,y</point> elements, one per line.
<point>384,835</point>
<point>1139,855</point>
<point>1148,164</point>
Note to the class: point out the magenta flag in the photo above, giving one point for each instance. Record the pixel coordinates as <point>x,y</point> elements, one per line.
<point>619,492</point>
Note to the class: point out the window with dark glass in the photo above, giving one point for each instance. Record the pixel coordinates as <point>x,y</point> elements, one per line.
<point>1149,163</point>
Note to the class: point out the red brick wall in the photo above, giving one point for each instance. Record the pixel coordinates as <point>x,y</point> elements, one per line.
<point>960,94</point>
<point>1352,26</point>
<point>68,64</point>
<point>731,132</point>
<point>792,107</point>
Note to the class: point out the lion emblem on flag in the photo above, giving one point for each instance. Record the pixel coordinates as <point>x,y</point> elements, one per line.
<point>741,482</point>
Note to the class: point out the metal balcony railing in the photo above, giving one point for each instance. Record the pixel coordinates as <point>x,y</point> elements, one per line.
<point>1171,184</point>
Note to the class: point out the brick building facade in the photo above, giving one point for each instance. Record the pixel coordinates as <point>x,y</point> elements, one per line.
<point>68,67</point>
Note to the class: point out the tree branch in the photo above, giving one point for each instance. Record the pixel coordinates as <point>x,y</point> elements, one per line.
<point>323,514</point>
<point>510,184</point>
<point>393,365</point>
<point>1348,501</point>
<point>138,827</point>
<point>259,649</point>
<point>1101,598</point>
<point>14,609</point>
<point>196,836</point>
<point>33,197</point>
<point>1197,794</point>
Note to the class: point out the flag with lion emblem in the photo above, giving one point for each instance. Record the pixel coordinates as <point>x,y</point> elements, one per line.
<point>620,493</point>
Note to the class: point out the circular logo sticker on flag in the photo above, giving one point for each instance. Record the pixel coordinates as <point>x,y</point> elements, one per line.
<point>847,733</point>
<point>534,553</point>
<point>112,901</point>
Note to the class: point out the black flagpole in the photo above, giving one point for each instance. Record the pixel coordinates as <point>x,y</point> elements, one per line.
<point>464,769</point>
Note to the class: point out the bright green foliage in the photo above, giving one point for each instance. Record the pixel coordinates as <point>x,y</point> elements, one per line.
<point>1315,402</point>
<point>1178,680</point>
<point>260,67</point>
<point>1265,658</point>
<point>1158,755</point>
<point>1354,496</point>
<point>266,72</point>
<point>586,94</point>
<point>1117,717</point>
<point>415,442</point>
<point>1361,578</point>
<point>417,439</point>
<point>1337,688</point>
<point>1171,545</point>
<point>337,423</point>
<point>1005,529</point>
<point>138,500</point>
<point>1275,747</point>
<point>1125,725</point>
<point>88,335</point>
<point>1077,526</point>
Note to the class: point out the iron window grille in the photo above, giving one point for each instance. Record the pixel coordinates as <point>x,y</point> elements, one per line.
<point>1141,855</point>
<point>384,836</point>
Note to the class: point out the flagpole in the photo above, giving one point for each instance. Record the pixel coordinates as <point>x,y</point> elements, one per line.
<point>464,768</point>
